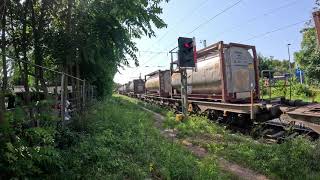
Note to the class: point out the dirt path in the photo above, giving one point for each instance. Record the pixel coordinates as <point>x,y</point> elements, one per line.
<point>235,169</point>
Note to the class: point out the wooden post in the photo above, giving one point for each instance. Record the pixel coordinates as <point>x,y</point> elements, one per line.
<point>63,97</point>
<point>184,91</point>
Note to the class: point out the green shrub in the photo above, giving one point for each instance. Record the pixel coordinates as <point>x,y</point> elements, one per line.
<point>28,151</point>
<point>302,90</point>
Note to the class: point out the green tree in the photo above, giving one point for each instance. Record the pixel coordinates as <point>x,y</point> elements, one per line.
<point>280,67</point>
<point>87,39</point>
<point>309,57</point>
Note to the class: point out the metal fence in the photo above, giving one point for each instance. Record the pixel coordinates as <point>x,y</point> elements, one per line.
<point>68,95</point>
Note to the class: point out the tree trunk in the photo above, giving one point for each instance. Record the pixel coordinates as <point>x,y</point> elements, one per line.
<point>69,52</point>
<point>4,64</point>
<point>24,51</point>
<point>3,49</point>
<point>38,53</point>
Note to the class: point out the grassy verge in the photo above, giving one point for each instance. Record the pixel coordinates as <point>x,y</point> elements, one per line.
<point>116,139</point>
<point>296,159</point>
<point>120,142</point>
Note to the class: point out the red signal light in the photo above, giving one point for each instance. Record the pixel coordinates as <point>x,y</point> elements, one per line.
<point>187,45</point>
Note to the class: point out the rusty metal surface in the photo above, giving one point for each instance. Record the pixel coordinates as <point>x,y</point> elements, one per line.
<point>308,116</point>
<point>159,83</point>
<point>309,111</point>
<point>136,86</point>
<point>240,72</point>
<point>153,83</point>
<point>207,78</point>
<point>316,18</point>
<point>222,70</point>
<point>300,122</point>
<point>229,107</point>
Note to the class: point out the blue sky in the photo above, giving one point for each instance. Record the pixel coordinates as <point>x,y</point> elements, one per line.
<point>248,19</point>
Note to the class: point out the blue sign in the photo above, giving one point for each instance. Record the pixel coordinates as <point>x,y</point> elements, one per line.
<point>300,75</point>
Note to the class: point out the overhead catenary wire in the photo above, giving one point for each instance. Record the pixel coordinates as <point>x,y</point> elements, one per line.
<point>202,24</point>
<point>182,19</point>
<point>267,13</point>
<point>215,16</point>
<point>178,22</point>
<point>273,31</point>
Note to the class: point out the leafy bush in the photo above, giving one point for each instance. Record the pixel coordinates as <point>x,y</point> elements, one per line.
<point>26,150</point>
<point>302,90</point>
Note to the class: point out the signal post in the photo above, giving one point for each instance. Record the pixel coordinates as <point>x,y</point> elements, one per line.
<point>186,60</point>
<point>184,91</point>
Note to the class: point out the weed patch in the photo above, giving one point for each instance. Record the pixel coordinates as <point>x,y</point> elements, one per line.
<point>295,159</point>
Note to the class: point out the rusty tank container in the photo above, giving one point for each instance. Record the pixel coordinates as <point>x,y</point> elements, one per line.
<point>158,83</point>
<point>224,72</point>
<point>136,86</point>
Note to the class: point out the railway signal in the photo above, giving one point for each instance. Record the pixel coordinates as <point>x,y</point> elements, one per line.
<point>186,59</point>
<point>187,52</point>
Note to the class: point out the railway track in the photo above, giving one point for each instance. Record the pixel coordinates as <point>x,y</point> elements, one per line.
<point>276,130</point>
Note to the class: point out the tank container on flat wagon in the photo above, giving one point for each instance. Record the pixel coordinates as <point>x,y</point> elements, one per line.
<point>224,72</point>
<point>158,83</point>
<point>136,86</point>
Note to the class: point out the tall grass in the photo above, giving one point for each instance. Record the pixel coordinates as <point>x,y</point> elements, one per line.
<point>121,142</point>
<point>295,159</point>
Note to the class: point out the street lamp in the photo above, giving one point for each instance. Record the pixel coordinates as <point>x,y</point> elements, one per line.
<point>289,54</point>
<point>290,71</point>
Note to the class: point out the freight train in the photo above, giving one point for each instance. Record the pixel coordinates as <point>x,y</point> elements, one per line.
<point>225,86</point>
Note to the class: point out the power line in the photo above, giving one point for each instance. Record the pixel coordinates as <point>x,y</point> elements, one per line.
<point>204,23</point>
<point>182,19</point>
<point>153,52</point>
<point>272,11</point>
<point>212,18</point>
<point>273,31</point>
<point>178,22</point>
